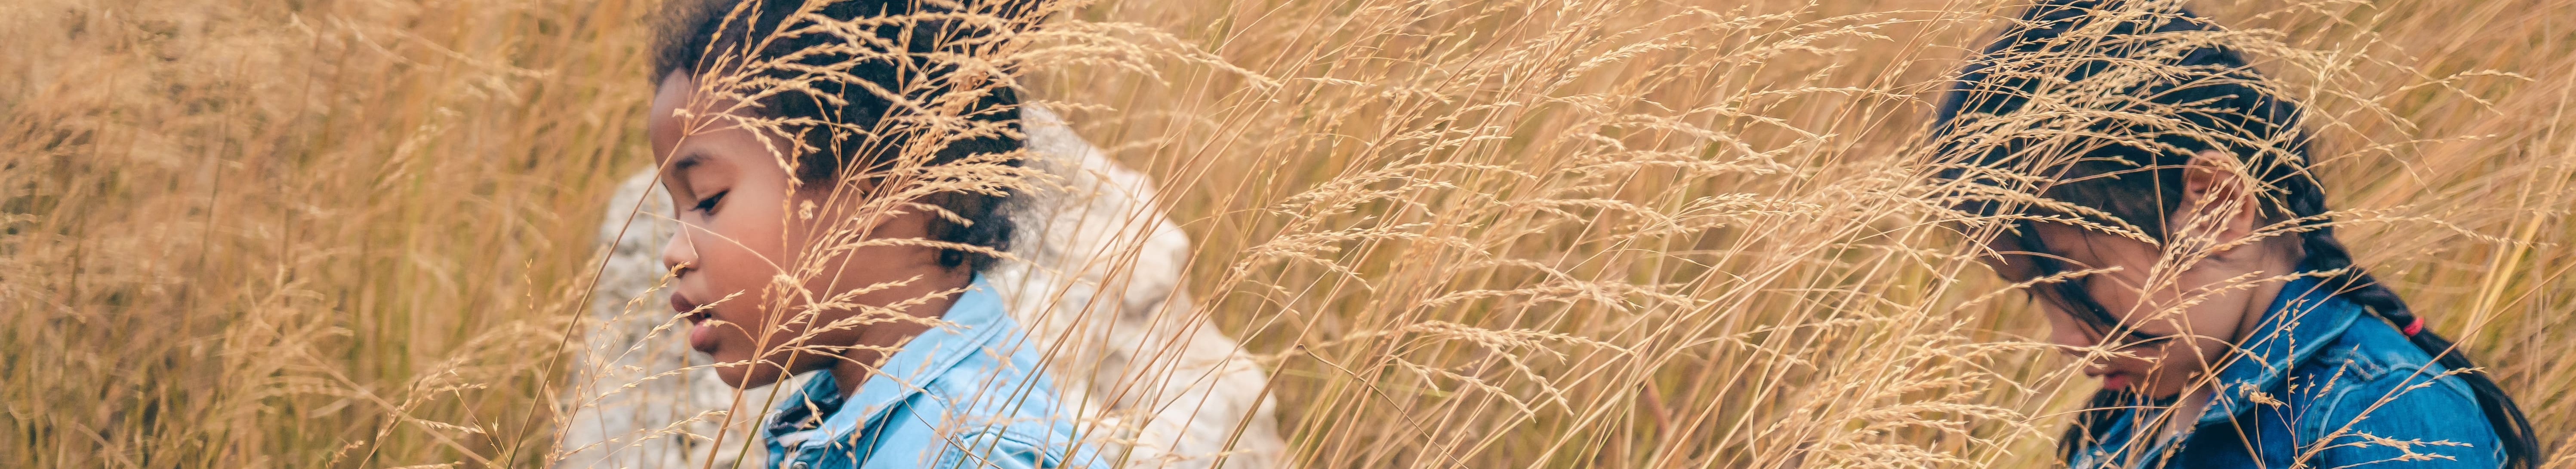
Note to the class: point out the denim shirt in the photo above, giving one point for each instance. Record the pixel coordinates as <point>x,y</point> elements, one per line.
<point>2319,383</point>
<point>965,394</point>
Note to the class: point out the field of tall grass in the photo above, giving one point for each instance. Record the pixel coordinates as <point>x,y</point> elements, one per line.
<point>1567,233</point>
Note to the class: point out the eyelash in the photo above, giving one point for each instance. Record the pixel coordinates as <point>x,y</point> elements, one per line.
<point>708,205</point>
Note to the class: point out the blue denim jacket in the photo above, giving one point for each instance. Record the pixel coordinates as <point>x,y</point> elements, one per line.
<point>966,394</point>
<point>2319,383</point>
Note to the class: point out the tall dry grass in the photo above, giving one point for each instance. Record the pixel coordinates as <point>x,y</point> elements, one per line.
<point>1461,234</point>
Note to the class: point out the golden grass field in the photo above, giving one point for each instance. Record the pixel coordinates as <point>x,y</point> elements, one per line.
<point>1571,233</point>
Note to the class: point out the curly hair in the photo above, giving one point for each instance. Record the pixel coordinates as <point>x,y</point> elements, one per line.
<point>856,82</point>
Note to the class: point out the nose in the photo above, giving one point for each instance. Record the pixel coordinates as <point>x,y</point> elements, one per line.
<point>680,254</point>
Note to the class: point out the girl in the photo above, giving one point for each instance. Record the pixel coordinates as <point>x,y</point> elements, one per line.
<point>2180,235</point>
<point>839,169</point>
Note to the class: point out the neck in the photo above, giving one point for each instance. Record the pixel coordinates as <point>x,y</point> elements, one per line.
<point>2195,399</point>
<point>921,301</point>
<point>2259,304</point>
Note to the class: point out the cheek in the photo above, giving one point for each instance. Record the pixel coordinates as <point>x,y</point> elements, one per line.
<point>737,260</point>
<point>734,262</point>
<point>2208,330</point>
<point>861,267</point>
<point>2064,329</point>
<point>2119,294</point>
<point>2178,366</point>
<point>2221,308</point>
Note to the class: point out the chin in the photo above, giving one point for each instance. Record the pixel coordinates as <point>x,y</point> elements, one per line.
<point>2164,390</point>
<point>745,376</point>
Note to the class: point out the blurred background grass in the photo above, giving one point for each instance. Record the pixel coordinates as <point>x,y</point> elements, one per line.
<point>1466,234</point>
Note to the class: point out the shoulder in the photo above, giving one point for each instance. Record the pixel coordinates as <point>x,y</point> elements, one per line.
<point>2368,351</point>
<point>2379,398</point>
<point>966,418</point>
<point>1004,425</point>
<point>1004,449</point>
<point>994,408</point>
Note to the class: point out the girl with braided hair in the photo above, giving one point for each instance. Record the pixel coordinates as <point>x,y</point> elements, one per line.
<point>2155,195</point>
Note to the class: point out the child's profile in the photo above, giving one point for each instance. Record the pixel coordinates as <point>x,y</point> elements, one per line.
<point>2156,197</point>
<point>1140,384</point>
<point>838,171</point>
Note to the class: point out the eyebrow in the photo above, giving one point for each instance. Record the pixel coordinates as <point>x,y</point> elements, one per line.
<point>687,161</point>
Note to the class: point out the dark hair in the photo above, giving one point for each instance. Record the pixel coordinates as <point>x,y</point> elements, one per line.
<point>2147,85</point>
<point>842,113</point>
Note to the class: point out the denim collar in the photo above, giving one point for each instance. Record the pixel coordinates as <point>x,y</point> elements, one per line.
<point>970,324</point>
<point>2304,318</point>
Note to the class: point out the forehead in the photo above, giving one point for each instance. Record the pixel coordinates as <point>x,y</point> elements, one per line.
<point>662,126</point>
<point>701,126</point>
<point>2070,240</point>
<point>2066,242</point>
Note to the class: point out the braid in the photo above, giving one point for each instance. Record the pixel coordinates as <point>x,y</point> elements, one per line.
<point>2324,252</point>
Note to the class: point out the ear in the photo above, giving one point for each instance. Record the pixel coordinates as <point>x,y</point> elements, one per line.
<point>2218,206</point>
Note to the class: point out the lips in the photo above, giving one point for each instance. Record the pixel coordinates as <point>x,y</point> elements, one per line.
<point>681,304</point>
<point>702,336</point>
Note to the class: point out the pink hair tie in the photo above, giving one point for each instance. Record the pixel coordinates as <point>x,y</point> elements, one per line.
<point>2414,326</point>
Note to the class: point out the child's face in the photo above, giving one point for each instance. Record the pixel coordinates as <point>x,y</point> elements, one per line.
<point>734,201</point>
<point>2186,320</point>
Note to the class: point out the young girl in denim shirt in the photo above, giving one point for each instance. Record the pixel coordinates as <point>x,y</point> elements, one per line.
<point>839,170</point>
<point>2183,229</point>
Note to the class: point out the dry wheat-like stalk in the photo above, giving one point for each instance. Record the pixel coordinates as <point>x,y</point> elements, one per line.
<point>1566,233</point>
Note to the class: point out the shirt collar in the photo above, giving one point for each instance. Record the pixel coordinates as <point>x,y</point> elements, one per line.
<point>2304,318</point>
<point>975,319</point>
